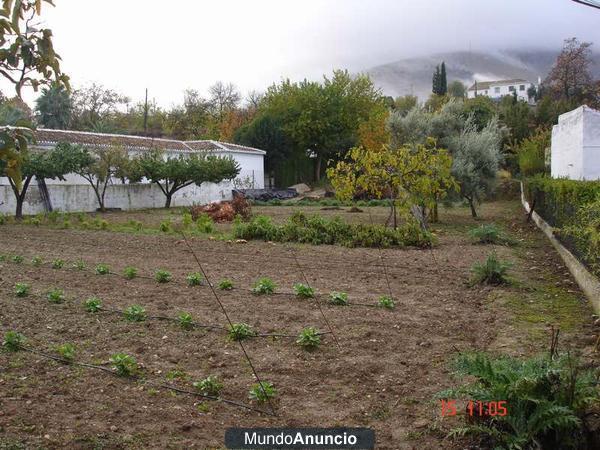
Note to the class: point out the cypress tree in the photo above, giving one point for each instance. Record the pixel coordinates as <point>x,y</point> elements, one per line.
<point>443,87</point>
<point>435,85</point>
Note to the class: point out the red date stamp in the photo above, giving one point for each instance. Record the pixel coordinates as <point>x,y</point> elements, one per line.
<point>476,408</point>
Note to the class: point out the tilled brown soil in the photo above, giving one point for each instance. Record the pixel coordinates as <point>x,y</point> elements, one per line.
<point>384,374</point>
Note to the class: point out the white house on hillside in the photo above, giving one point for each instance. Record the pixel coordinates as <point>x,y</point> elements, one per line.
<point>576,145</point>
<point>498,89</point>
<point>75,193</point>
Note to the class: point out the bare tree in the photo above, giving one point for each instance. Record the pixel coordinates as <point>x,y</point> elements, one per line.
<point>254,98</point>
<point>93,103</point>
<point>223,97</point>
<point>570,76</point>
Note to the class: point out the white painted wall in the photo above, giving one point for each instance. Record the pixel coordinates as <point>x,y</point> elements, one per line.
<point>75,193</point>
<point>576,145</point>
<point>497,91</point>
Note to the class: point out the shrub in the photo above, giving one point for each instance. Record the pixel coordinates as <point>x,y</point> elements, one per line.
<point>531,154</point>
<point>79,265</point>
<point>240,331</point>
<point>263,286</point>
<point>546,399</point>
<point>225,285</point>
<point>262,392</point>
<point>135,313</point>
<point>102,269</point>
<point>489,234</point>
<point>194,279</point>
<point>162,276</point>
<point>92,305</point>
<point>130,272</point>
<point>583,235</point>
<point>492,271</point>
<point>185,321</point>
<point>124,365</point>
<point>309,338</point>
<point>338,298</point>
<point>55,296</point>
<point>22,289</point>
<point>166,226</point>
<point>17,259</point>
<point>187,219</point>
<point>13,341</point>
<point>209,386</point>
<point>387,302</point>
<point>58,263</point>
<point>205,224</point>
<point>37,261</point>
<point>304,291</point>
<point>66,351</point>
<point>318,230</point>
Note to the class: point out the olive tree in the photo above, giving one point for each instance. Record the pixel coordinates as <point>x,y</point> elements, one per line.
<point>171,174</point>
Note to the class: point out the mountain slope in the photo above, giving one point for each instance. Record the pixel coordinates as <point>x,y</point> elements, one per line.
<point>413,75</point>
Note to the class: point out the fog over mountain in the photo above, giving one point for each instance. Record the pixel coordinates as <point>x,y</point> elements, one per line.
<point>413,75</point>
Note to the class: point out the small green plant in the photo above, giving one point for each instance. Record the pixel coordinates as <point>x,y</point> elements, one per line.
<point>304,291</point>
<point>338,298</point>
<point>194,279</point>
<point>309,338</point>
<point>2,258</point>
<point>102,269</point>
<point>209,386</point>
<point>240,331</point>
<point>130,272</point>
<point>261,392</point>
<point>166,226</point>
<point>136,225</point>
<point>79,265</point>
<point>66,224</point>
<point>37,261</point>
<point>92,304</point>
<point>13,341</point>
<point>2,219</point>
<point>185,321</point>
<point>225,284</point>
<point>124,365</point>
<point>387,302</point>
<point>67,351</point>
<point>17,259</point>
<point>492,271</point>
<point>205,224</point>
<point>58,263</point>
<point>135,313</point>
<point>187,219</point>
<point>22,289</point>
<point>490,234</point>
<point>263,286</point>
<point>162,276</point>
<point>176,374</point>
<point>55,296</point>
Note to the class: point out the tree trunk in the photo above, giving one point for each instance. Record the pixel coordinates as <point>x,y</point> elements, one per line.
<point>168,200</point>
<point>318,167</point>
<point>472,205</point>
<point>19,210</point>
<point>434,213</point>
<point>20,196</point>
<point>100,199</point>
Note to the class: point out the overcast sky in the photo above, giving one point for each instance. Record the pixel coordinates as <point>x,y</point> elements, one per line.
<point>168,46</point>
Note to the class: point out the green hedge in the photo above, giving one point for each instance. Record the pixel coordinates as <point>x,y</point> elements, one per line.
<point>318,230</point>
<point>573,208</point>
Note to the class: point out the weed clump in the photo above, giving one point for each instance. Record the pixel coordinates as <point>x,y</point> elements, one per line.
<point>492,271</point>
<point>490,234</point>
<point>13,341</point>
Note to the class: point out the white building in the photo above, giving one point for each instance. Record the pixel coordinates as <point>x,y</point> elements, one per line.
<point>76,194</point>
<point>575,152</point>
<point>498,89</point>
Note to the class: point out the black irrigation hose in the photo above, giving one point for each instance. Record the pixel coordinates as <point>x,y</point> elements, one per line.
<point>147,383</point>
<point>230,324</point>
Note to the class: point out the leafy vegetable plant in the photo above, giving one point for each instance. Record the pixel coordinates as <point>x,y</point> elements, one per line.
<point>209,386</point>
<point>162,276</point>
<point>185,321</point>
<point>262,392</point>
<point>55,296</point>
<point>17,259</point>
<point>13,341</point>
<point>240,331</point>
<point>135,313</point>
<point>130,272</point>
<point>67,351</point>
<point>194,279</point>
<point>102,269</point>
<point>387,302</point>
<point>22,289</point>
<point>92,305</point>
<point>309,338</point>
<point>58,263</point>
<point>263,286</point>
<point>125,365</point>
<point>304,291</point>
<point>37,261</point>
<point>338,298</point>
<point>225,285</point>
<point>79,265</point>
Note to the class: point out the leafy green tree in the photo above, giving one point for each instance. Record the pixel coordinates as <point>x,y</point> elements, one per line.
<point>99,167</point>
<point>443,88</point>
<point>476,160</point>
<point>457,89</point>
<point>54,107</point>
<point>482,109</point>
<point>570,77</point>
<point>404,104</point>
<point>27,58</point>
<point>173,174</point>
<point>50,164</point>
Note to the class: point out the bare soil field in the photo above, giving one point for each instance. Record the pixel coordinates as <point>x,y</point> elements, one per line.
<point>384,374</point>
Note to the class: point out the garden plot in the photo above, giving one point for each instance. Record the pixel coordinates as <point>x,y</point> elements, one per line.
<point>389,364</point>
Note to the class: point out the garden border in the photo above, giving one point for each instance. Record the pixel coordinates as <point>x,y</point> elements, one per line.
<point>588,283</point>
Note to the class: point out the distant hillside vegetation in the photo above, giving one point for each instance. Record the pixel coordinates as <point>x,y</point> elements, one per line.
<point>413,75</point>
